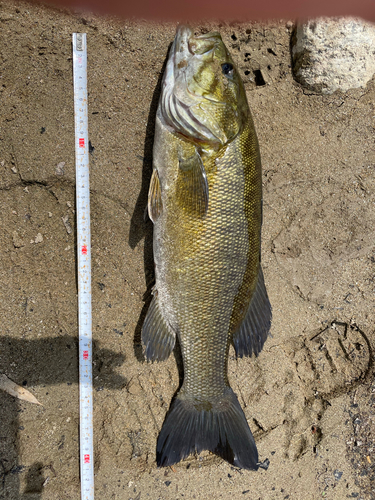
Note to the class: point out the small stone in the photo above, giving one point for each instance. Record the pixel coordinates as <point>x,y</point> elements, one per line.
<point>13,169</point>
<point>49,214</point>
<point>17,240</point>
<point>26,189</point>
<point>66,223</point>
<point>2,163</point>
<point>69,204</point>
<point>337,474</point>
<point>39,238</point>
<point>264,465</point>
<point>60,168</point>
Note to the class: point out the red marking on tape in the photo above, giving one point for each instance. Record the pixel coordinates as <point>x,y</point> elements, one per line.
<point>86,459</point>
<point>84,249</point>
<point>85,354</point>
<point>81,142</point>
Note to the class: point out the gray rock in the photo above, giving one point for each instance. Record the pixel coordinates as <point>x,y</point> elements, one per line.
<point>333,54</point>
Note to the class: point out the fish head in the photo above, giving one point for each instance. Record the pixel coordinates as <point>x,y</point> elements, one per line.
<point>203,97</point>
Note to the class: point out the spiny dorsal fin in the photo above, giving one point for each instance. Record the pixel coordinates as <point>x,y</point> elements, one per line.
<point>155,204</point>
<point>192,186</point>
<point>251,335</point>
<point>157,336</point>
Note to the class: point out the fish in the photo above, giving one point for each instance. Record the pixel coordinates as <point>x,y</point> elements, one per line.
<point>205,201</point>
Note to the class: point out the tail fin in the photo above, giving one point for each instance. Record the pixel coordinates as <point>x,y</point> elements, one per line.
<point>219,426</point>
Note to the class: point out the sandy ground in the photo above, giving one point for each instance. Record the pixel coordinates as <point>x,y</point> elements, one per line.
<point>309,397</point>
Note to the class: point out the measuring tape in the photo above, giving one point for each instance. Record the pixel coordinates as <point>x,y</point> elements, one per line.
<point>84,265</point>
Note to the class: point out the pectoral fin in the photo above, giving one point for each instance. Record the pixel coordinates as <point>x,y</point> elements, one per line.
<point>155,204</point>
<point>192,186</point>
<point>254,330</point>
<point>158,337</point>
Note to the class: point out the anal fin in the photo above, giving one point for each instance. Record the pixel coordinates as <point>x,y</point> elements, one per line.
<point>157,336</point>
<point>251,335</point>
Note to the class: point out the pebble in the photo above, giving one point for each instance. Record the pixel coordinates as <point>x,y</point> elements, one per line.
<point>60,168</point>
<point>39,238</point>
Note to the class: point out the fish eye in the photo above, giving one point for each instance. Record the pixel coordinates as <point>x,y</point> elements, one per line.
<point>227,69</point>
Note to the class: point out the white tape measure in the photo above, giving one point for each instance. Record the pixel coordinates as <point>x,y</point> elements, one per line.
<point>84,265</point>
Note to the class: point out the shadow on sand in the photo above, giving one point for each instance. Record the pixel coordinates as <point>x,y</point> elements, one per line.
<point>46,362</point>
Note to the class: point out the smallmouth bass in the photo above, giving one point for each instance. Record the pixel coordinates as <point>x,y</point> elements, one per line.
<point>205,200</point>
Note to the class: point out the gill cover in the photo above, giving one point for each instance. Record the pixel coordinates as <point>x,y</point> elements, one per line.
<point>202,95</point>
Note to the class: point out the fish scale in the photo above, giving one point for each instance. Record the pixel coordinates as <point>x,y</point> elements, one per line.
<point>208,304</point>
<point>205,201</point>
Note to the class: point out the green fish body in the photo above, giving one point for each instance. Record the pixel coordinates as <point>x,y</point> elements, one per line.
<point>205,200</point>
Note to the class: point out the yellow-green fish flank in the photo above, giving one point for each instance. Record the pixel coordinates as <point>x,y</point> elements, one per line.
<point>205,200</point>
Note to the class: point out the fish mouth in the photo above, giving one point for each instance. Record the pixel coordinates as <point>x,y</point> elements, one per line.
<point>182,48</point>
<point>178,55</point>
<point>187,45</point>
